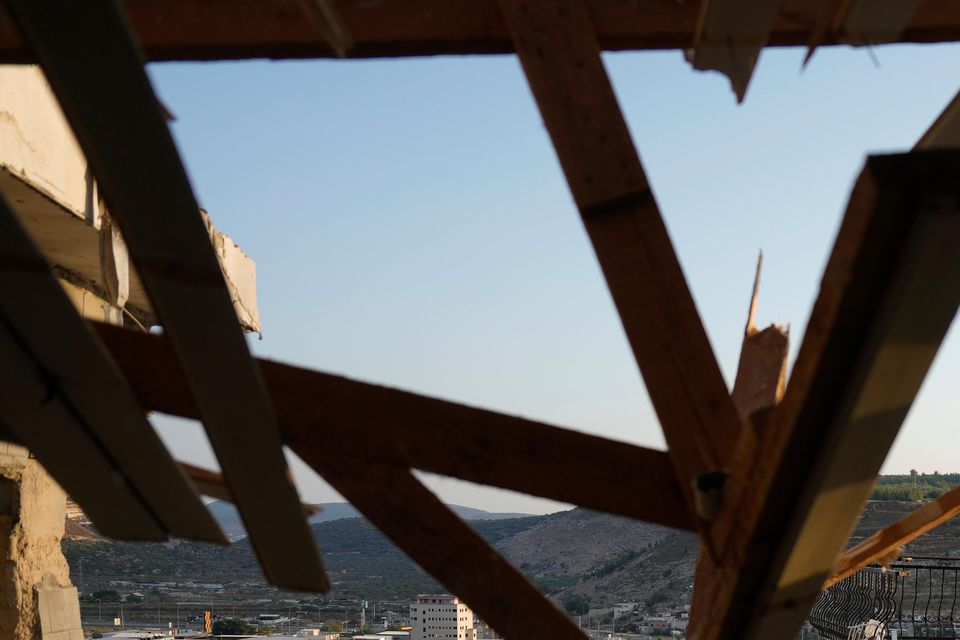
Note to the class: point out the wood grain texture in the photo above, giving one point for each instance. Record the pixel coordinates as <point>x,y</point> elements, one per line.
<point>888,295</point>
<point>561,58</point>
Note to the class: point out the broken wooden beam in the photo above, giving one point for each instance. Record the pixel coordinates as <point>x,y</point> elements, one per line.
<point>889,293</point>
<point>97,72</point>
<point>409,430</point>
<point>729,37</point>
<point>758,389</point>
<point>762,368</point>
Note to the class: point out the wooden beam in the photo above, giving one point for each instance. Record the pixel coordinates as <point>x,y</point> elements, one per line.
<point>757,390</point>
<point>96,71</point>
<point>762,368</point>
<point>212,484</point>
<point>405,430</point>
<point>238,29</point>
<point>944,133</point>
<point>887,541</point>
<point>444,545</point>
<point>69,405</point>
<point>561,59</point>
<point>888,295</point>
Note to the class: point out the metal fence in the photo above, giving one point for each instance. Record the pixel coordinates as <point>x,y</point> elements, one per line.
<point>914,598</point>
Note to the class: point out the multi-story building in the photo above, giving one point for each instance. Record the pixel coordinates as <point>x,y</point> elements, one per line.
<point>441,617</point>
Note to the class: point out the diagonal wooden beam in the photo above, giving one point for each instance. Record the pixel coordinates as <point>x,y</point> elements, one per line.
<point>757,389</point>
<point>944,133</point>
<point>406,430</point>
<point>561,58</point>
<point>887,298</point>
<point>237,29</point>
<point>66,401</point>
<point>96,70</point>
<point>887,541</point>
<point>444,545</point>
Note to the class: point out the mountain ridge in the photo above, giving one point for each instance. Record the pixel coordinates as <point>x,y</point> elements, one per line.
<point>227,516</point>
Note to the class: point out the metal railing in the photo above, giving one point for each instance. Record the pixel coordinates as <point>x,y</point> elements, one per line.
<point>914,598</point>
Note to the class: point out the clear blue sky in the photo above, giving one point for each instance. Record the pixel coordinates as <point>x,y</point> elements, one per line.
<point>411,226</point>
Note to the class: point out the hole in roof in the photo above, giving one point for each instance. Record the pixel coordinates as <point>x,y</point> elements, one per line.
<point>411,225</point>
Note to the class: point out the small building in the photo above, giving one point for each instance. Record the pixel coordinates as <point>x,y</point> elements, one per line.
<point>441,617</point>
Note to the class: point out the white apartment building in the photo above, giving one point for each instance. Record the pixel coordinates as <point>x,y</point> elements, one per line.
<point>441,617</point>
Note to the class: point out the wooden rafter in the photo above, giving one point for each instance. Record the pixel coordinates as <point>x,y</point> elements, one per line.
<point>943,133</point>
<point>234,29</point>
<point>96,71</point>
<point>887,541</point>
<point>65,399</point>
<point>561,59</point>
<point>212,484</point>
<point>444,545</point>
<point>757,389</point>
<point>405,430</point>
<point>888,295</point>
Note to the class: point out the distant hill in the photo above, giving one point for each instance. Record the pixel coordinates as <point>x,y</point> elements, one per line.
<point>229,519</point>
<point>578,548</point>
<point>571,555</point>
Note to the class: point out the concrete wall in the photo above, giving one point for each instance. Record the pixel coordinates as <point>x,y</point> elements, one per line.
<point>34,576</point>
<point>46,177</point>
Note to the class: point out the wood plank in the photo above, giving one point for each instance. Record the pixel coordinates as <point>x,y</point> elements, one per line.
<point>444,545</point>
<point>238,29</point>
<point>887,541</point>
<point>561,59</point>
<point>757,390</point>
<point>212,484</point>
<point>70,406</point>
<point>944,133</point>
<point>888,295</point>
<point>404,429</point>
<point>762,368</point>
<point>96,71</point>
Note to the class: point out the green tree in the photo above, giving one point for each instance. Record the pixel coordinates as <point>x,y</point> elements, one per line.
<point>231,626</point>
<point>576,605</point>
<point>106,595</point>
